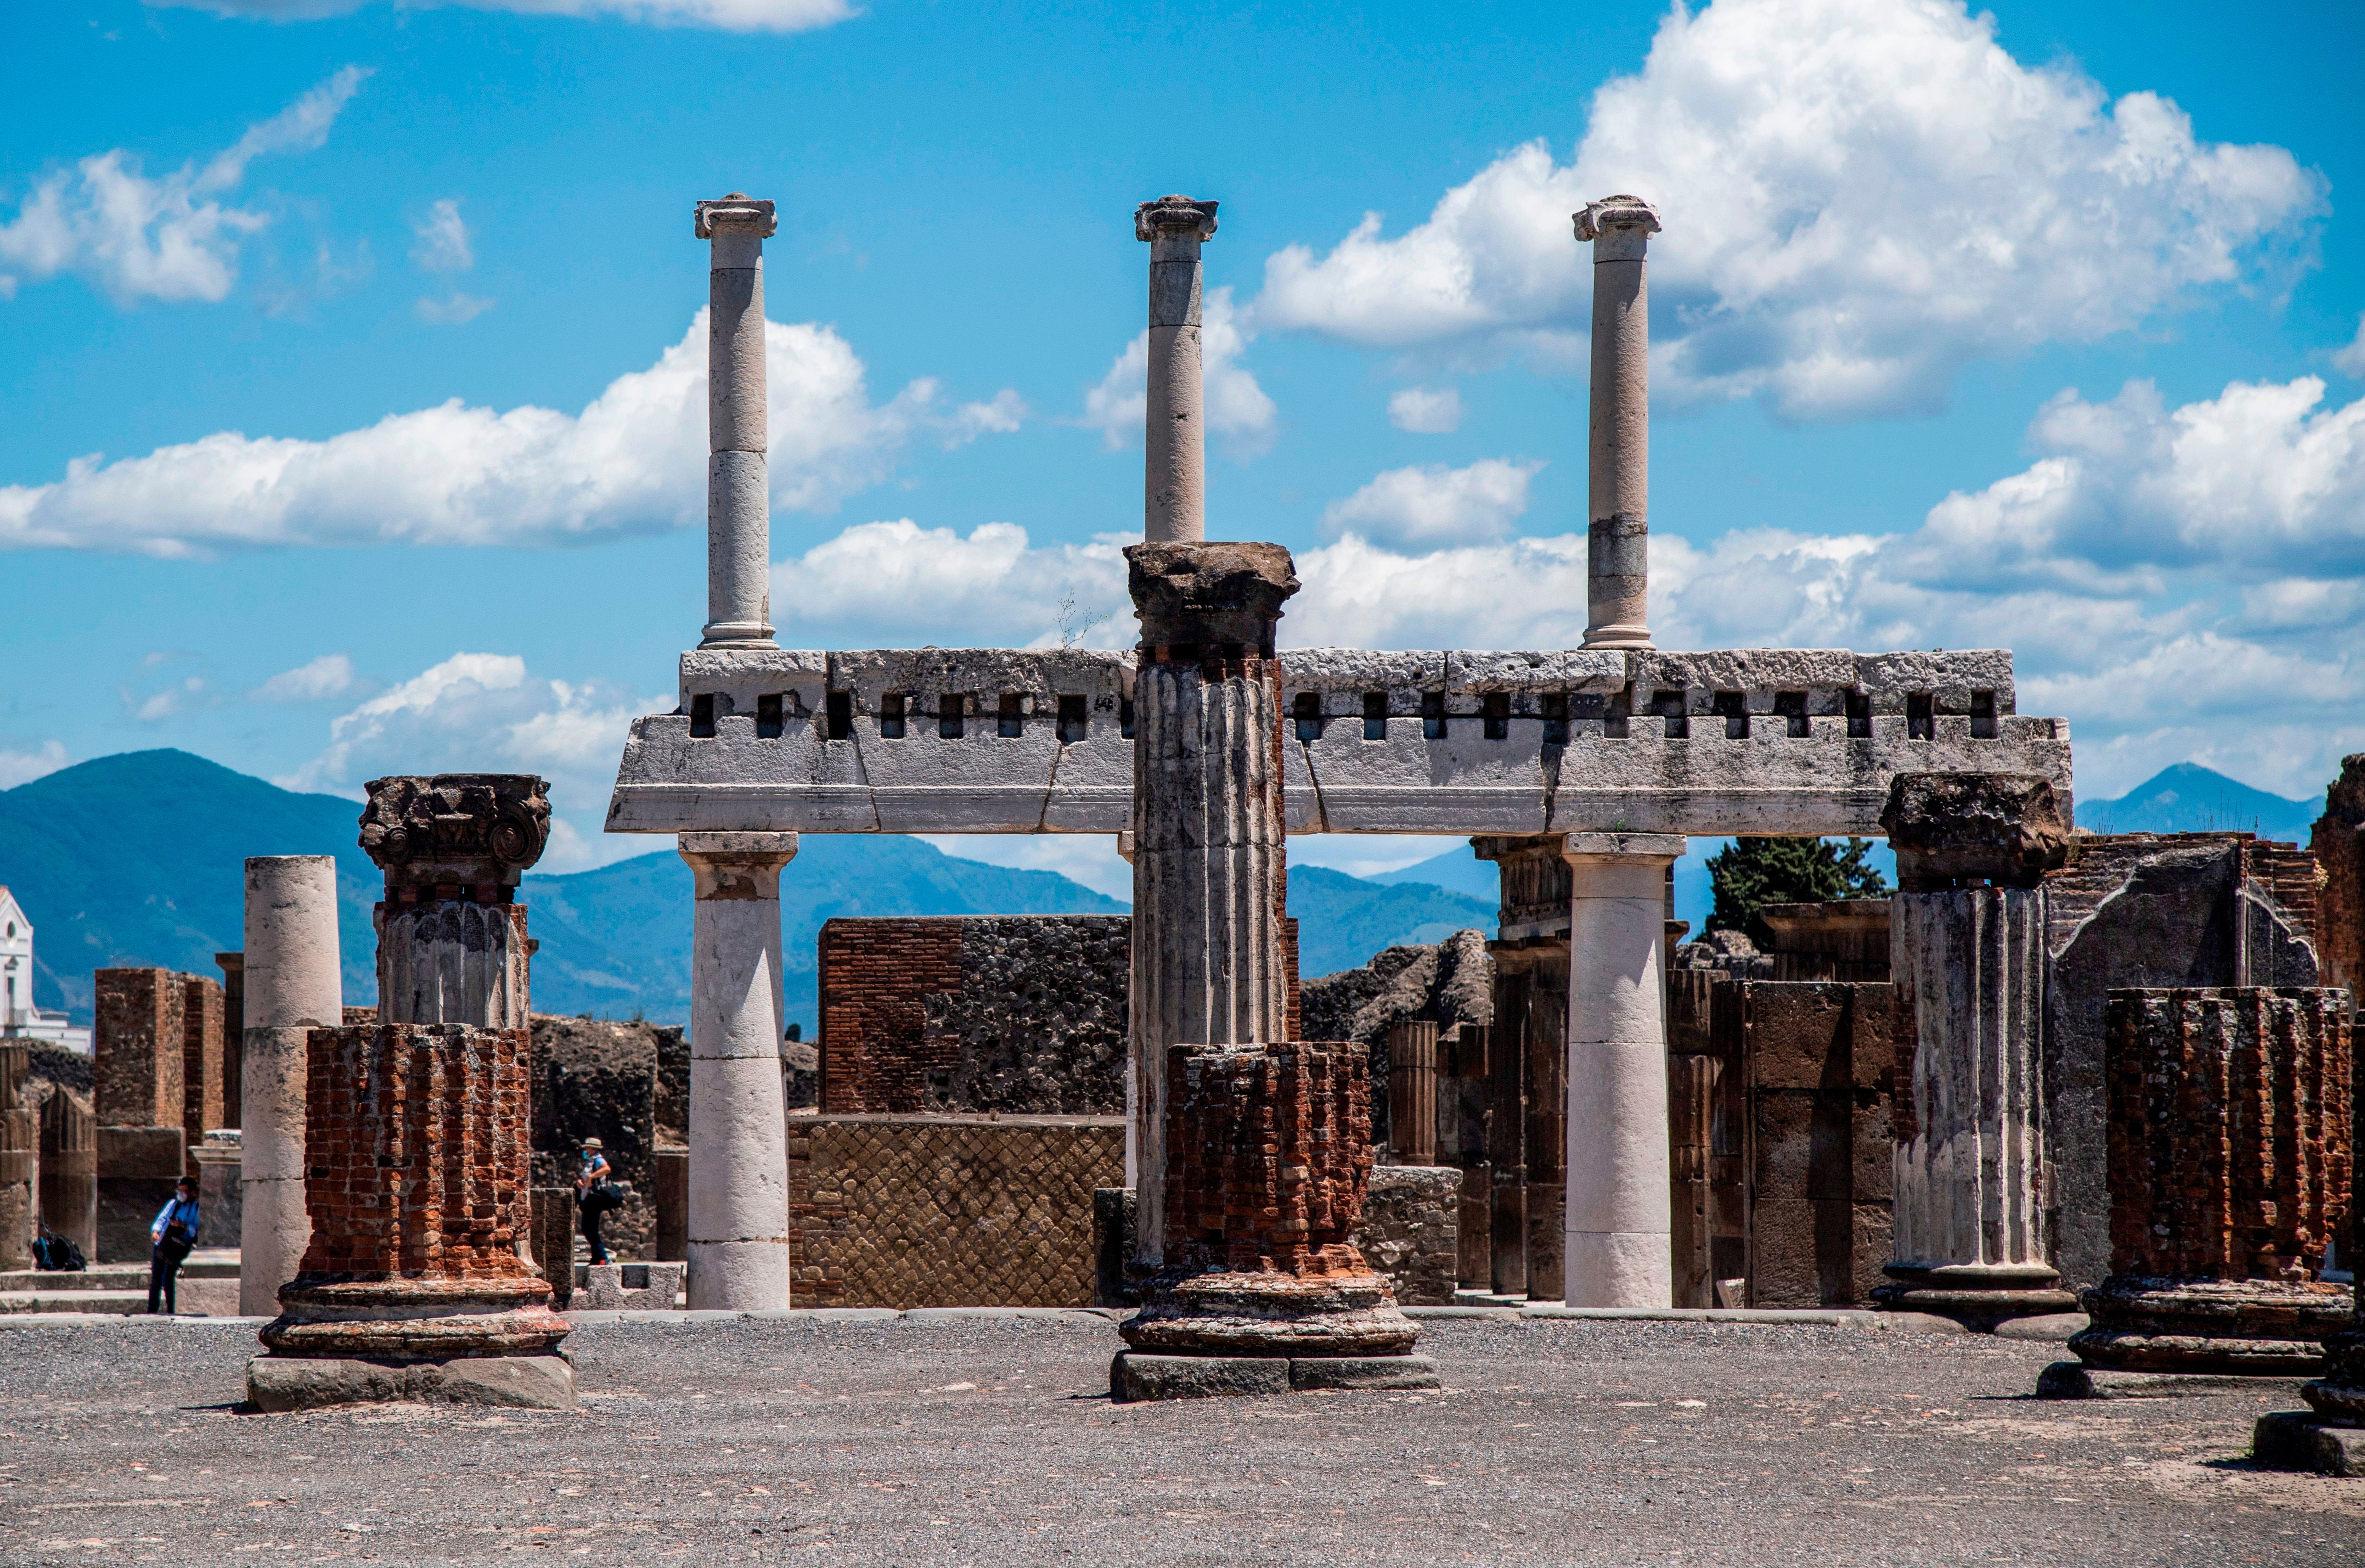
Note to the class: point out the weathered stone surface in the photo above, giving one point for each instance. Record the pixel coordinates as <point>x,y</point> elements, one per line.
<point>69,1176</point>
<point>628,1287</point>
<point>2076,1380</point>
<point>1619,449</point>
<point>293,986</point>
<point>599,1078</point>
<point>1135,1375</point>
<point>1449,982</point>
<point>1953,828</point>
<point>2051,1327</point>
<point>454,830</point>
<point>279,1384</point>
<point>1362,1371</point>
<point>1205,595</point>
<point>136,1047</point>
<point>2295,1439</point>
<point>1410,1229</point>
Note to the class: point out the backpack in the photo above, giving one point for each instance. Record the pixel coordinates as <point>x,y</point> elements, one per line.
<point>54,1254</point>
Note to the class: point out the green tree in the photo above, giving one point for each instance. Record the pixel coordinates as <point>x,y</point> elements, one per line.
<point>1750,873</point>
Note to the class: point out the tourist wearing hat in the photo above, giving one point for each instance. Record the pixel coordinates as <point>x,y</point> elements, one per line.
<point>595,1195</point>
<point>171,1237</point>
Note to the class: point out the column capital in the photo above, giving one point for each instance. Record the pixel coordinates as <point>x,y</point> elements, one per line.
<point>1616,846</point>
<point>480,830</point>
<point>1202,594</point>
<point>735,213</point>
<point>1625,220</point>
<point>1171,214</point>
<point>1951,828</point>
<point>737,864</point>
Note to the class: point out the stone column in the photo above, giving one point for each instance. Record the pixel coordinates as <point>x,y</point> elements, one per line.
<point>2229,1120</point>
<point>1618,540</point>
<point>1209,859</point>
<point>1174,462</point>
<point>1618,1222</point>
<point>20,1159</point>
<point>1412,1091</point>
<point>293,986</point>
<point>738,484</point>
<point>1968,958</point>
<point>233,984</point>
<point>738,1241</point>
<point>451,944</point>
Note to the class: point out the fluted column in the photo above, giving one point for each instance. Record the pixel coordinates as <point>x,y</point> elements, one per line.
<point>1174,456</point>
<point>1209,860</point>
<point>1968,956</point>
<point>293,986</point>
<point>738,494</point>
<point>738,1242</point>
<point>1618,1248</point>
<point>1618,536</point>
<point>451,944</point>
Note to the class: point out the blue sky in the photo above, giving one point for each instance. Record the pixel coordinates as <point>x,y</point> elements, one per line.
<point>354,383</point>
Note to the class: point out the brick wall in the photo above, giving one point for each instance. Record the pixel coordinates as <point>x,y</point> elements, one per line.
<point>415,1151</point>
<point>202,1085</point>
<point>2230,1131</point>
<point>137,1044</point>
<point>904,1211</point>
<point>1023,1015</point>
<point>1269,1150</point>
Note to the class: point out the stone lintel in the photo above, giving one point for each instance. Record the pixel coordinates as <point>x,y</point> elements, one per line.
<point>1612,845</point>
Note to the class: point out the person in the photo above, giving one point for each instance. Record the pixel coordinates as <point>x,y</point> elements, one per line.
<point>595,1195</point>
<point>172,1237</point>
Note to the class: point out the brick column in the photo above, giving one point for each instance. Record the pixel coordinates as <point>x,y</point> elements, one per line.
<point>738,1241</point>
<point>2339,1394</point>
<point>451,944</point>
<point>1175,454</point>
<point>1969,960</point>
<point>234,988</point>
<point>2228,1157</point>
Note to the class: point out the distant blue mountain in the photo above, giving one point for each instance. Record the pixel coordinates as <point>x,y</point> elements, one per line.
<point>2189,798</point>
<point>1342,920</point>
<point>1457,870</point>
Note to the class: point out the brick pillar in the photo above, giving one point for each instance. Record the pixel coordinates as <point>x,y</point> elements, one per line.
<point>138,1097</point>
<point>1969,961</point>
<point>2340,1392</point>
<point>201,1063</point>
<point>2229,1127</point>
<point>2339,843</point>
<point>419,1193</point>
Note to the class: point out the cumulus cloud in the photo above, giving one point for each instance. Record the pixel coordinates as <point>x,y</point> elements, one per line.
<point>634,461</point>
<point>2350,360</point>
<point>1861,197</point>
<point>330,674</point>
<point>729,15</point>
<point>1237,406</point>
<point>1433,504</point>
<point>1421,411</point>
<point>24,767</point>
<point>485,714</point>
<point>171,237</point>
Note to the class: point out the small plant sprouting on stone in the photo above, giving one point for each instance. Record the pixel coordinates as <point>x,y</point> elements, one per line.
<point>1075,624</point>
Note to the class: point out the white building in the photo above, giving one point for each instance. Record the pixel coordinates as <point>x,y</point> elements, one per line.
<point>19,1019</point>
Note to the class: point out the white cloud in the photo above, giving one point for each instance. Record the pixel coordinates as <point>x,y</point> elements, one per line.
<point>167,238</point>
<point>729,15</point>
<point>452,312</point>
<point>444,239</point>
<point>1861,197</point>
<point>1433,504</point>
<point>1422,411</point>
<point>2350,360</point>
<point>879,583</point>
<point>634,461</point>
<point>170,702</point>
<point>24,767</point>
<point>330,674</point>
<point>1237,406</point>
<point>483,712</point>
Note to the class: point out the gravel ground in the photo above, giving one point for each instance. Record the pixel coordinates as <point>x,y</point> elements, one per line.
<point>974,1441</point>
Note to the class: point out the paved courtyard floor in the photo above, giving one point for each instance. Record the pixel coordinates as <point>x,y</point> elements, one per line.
<point>994,1441</point>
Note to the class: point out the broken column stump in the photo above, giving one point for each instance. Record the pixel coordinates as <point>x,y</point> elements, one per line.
<point>1269,1151</point>
<point>2228,1151</point>
<point>415,1149</point>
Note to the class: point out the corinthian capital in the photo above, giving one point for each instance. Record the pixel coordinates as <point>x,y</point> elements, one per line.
<point>479,830</point>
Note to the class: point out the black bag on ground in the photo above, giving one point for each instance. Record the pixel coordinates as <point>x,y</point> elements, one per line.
<point>54,1254</point>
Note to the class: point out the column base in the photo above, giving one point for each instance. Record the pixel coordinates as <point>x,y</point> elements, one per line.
<point>2293,1439</point>
<point>736,634</point>
<point>738,1276</point>
<point>1618,1269</point>
<point>1135,1377</point>
<point>1271,1316</point>
<point>2340,1392</point>
<point>2076,1380</point>
<point>414,1320</point>
<point>1977,1295</point>
<point>279,1382</point>
<point>2244,1328</point>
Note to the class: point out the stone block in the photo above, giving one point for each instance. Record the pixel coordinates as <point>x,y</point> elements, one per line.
<point>1362,1371</point>
<point>2049,1328</point>
<point>280,1383</point>
<point>1134,1376</point>
<point>1410,1229</point>
<point>151,1153</point>
<point>2076,1380</point>
<point>628,1287</point>
<point>2298,1439</point>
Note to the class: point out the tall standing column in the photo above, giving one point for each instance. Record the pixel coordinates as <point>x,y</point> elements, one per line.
<point>1618,538</point>
<point>1967,957</point>
<point>1618,1249</point>
<point>293,986</point>
<point>738,493</point>
<point>738,1243</point>
<point>1174,463</point>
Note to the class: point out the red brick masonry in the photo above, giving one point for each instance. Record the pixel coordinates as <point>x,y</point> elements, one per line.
<point>1268,1153</point>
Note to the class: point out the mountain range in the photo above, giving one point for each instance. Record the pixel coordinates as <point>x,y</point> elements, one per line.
<point>136,858</point>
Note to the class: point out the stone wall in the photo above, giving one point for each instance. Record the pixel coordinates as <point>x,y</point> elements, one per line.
<point>1023,1015</point>
<point>1449,982</point>
<point>1410,1231</point>
<point>611,1079</point>
<point>2151,910</point>
<point>137,1048</point>
<point>904,1211</point>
